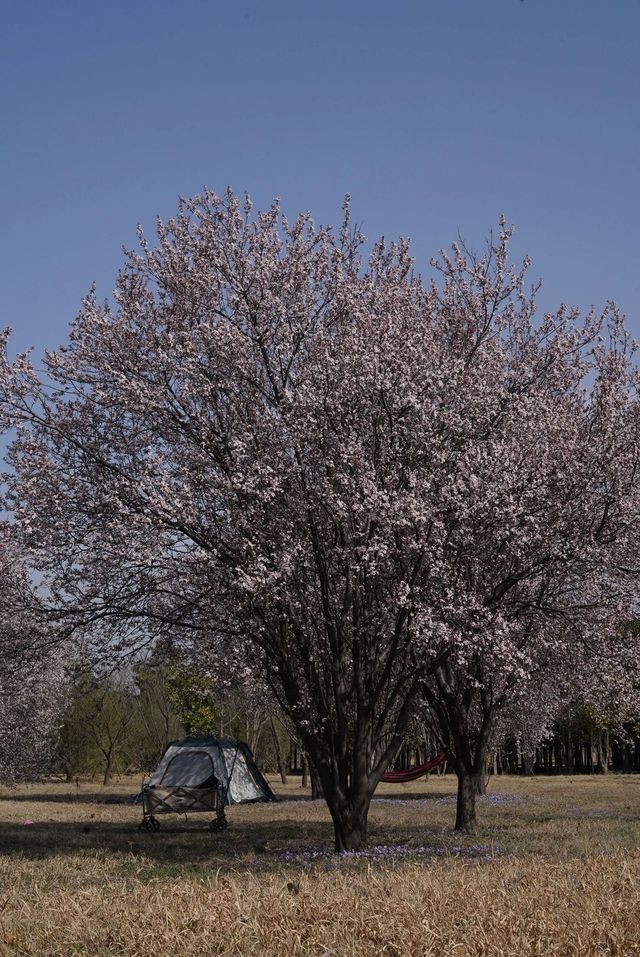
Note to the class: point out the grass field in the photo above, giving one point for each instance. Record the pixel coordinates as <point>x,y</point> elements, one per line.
<point>554,869</point>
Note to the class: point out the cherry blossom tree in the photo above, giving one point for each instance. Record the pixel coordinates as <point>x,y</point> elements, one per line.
<point>318,471</point>
<point>32,674</point>
<point>542,523</point>
<point>238,452</point>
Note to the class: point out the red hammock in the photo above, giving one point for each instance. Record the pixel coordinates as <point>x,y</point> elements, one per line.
<point>412,774</point>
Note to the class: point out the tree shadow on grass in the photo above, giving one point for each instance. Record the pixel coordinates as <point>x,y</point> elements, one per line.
<point>396,796</point>
<point>81,797</point>
<point>402,796</point>
<point>179,847</point>
<point>176,843</point>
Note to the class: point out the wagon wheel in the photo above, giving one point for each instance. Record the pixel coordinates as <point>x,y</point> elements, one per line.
<point>155,824</point>
<point>218,824</point>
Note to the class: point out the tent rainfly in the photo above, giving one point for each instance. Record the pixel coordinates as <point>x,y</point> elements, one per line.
<point>203,774</point>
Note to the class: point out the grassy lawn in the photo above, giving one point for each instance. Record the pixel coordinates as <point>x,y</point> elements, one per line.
<point>553,869</point>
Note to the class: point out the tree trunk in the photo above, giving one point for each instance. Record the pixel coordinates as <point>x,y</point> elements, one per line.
<point>466,803</point>
<point>559,749</point>
<point>350,832</point>
<point>255,738</point>
<point>348,752</point>
<point>467,740</point>
<point>317,791</point>
<point>349,815</point>
<point>481,782</point>
<point>107,769</point>
<point>305,771</point>
<point>603,752</point>
<point>481,777</point>
<point>569,748</point>
<point>347,788</point>
<point>276,743</point>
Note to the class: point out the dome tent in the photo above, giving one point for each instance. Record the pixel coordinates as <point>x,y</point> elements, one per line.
<point>192,761</point>
<point>203,774</point>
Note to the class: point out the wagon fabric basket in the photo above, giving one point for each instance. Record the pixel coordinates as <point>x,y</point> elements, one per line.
<point>203,774</point>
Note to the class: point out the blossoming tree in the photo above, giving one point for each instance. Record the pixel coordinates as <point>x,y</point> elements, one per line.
<point>541,526</point>
<point>298,462</point>
<point>32,675</point>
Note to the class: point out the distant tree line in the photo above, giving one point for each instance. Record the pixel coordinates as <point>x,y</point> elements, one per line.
<point>123,721</point>
<point>578,742</point>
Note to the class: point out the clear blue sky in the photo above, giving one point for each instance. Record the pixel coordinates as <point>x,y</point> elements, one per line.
<point>435,116</point>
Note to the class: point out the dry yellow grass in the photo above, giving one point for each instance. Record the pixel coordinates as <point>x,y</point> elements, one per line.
<point>555,871</point>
